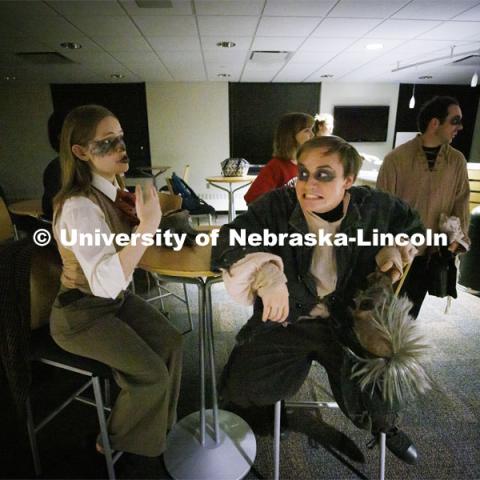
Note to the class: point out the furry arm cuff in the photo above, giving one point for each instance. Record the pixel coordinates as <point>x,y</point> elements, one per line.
<point>255,273</point>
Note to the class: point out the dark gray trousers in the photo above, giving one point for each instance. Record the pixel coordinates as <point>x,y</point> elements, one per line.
<point>145,353</point>
<point>271,363</point>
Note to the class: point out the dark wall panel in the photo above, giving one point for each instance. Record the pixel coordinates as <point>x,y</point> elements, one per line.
<point>255,109</point>
<point>467,96</point>
<point>127,101</point>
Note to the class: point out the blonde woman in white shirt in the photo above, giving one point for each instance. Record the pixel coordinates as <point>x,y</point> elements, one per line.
<point>94,314</point>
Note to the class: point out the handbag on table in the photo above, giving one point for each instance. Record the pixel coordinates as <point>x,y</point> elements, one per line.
<point>234,167</point>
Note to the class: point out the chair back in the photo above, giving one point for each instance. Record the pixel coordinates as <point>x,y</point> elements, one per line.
<point>169,201</point>
<point>474,182</point>
<point>45,271</point>
<point>6,226</point>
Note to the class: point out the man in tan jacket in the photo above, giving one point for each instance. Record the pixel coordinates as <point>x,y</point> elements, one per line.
<point>431,176</point>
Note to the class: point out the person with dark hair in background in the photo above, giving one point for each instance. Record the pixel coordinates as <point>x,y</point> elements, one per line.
<point>52,176</point>
<point>293,130</point>
<point>432,177</point>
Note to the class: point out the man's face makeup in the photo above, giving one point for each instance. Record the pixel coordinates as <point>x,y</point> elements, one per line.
<point>450,127</point>
<point>321,183</point>
<point>321,174</point>
<point>456,120</point>
<point>107,146</point>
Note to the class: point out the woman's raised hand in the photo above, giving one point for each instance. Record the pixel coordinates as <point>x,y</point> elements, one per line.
<point>148,207</point>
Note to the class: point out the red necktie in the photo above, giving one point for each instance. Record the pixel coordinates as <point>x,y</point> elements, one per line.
<point>125,202</point>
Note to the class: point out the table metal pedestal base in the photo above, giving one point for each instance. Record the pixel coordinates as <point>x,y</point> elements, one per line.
<point>230,459</point>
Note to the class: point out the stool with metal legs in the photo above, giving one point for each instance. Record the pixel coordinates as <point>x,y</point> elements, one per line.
<point>325,404</point>
<point>208,444</point>
<point>312,404</point>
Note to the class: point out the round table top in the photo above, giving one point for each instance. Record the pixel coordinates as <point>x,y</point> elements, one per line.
<point>222,179</point>
<point>189,262</point>
<point>30,208</point>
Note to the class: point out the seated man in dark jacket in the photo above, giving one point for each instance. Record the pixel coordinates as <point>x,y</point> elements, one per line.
<point>307,288</point>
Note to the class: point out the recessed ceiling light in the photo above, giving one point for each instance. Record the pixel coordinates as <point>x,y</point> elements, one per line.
<point>117,76</point>
<point>223,75</point>
<point>226,44</point>
<point>326,75</point>
<point>71,45</point>
<point>425,77</point>
<point>9,78</point>
<point>374,46</point>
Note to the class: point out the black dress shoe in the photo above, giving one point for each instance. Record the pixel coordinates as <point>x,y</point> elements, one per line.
<point>401,446</point>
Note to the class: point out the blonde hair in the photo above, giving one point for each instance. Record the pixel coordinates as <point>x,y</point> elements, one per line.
<point>78,128</point>
<point>321,121</point>
<point>284,143</point>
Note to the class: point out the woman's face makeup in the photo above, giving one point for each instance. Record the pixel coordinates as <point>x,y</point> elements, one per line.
<point>106,152</point>
<point>107,145</point>
<point>321,183</point>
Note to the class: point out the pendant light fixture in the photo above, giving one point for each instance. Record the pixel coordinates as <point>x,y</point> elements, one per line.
<point>411,104</point>
<point>474,81</point>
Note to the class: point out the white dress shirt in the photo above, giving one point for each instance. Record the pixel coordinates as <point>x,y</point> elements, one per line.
<point>100,263</point>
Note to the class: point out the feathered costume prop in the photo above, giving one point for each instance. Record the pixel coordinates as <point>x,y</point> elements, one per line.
<point>394,351</point>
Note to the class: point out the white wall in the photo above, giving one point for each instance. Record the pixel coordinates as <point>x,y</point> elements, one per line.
<point>363,94</point>
<point>24,147</point>
<point>189,124</point>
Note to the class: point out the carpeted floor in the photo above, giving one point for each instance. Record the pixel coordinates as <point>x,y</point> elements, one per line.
<point>321,444</point>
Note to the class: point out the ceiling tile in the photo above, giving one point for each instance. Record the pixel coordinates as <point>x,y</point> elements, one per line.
<point>167,26</point>
<point>289,44</point>
<point>134,57</point>
<point>229,7</point>
<point>314,58</point>
<point>89,58</point>
<point>21,45</point>
<point>218,25</point>
<point>106,26</point>
<point>345,27</point>
<point>473,14</point>
<point>321,45</point>
<point>194,72</point>
<point>434,9</point>
<point>453,30</point>
<point>361,46</point>
<point>179,7</point>
<point>295,72</point>
<point>25,9</point>
<point>73,8</point>
<point>286,26</point>
<point>226,56</point>
<point>87,44</point>
<point>47,28</point>
<point>253,73</point>
<point>234,70</point>
<point>180,58</point>
<point>402,29</point>
<point>367,8</point>
<point>123,44</point>
<point>210,42</point>
<point>153,71</point>
<point>298,8</point>
<point>174,43</point>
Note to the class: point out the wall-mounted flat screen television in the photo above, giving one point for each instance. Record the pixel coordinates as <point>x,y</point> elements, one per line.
<point>361,123</point>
